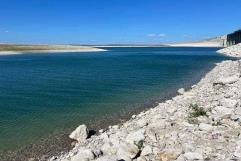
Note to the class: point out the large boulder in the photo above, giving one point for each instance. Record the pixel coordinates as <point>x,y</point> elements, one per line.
<point>80,133</point>
<point>181,91</point>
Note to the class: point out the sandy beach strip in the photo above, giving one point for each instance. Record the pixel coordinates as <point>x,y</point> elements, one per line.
<point>10,49</point>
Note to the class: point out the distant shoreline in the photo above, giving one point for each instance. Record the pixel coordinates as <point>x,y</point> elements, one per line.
<point>214,42</point>
<point>47,51</point>
<point>171,45</point>
<point>16,49</point>
<point>194,45</point>
<point>11,49</point>
<point>128,46</point>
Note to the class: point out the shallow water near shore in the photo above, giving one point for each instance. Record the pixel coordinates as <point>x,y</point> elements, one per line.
<point>42,94</point>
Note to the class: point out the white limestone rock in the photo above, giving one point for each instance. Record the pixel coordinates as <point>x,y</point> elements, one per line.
<point>97,152</point>
<point>151,134</point>
<point>233,51</point>
<point>238,111</point>
<point>181,91</point>
<point>80,133</point>
<point>83,155</point>
<point>223,112</point>
<point>115,127</point>
<point>142,122</point>
<point>235,117</point>
<point>107,158</point>
<point>136,137</point>
<point>227,80</point>
<point>146,150</point>
<point>180,158</point>
<point>127,152</point>
<point>101,131</point>
<point>229,103</point>
<point>205,127</point>
<point>107,149</point>
<point>142,158</point>
<point>193,156</point>
<point>186,146</point>
<point>237,153</point>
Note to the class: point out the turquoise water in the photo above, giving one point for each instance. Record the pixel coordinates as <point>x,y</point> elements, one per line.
<point>45,93</point>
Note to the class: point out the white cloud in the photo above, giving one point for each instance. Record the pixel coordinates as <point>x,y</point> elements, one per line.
<point>162,35</point>
<point>151,35</point>
<point>188,36</point>
<point>156,35</point>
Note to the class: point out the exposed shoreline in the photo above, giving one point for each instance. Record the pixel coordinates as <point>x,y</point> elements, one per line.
<point>232,51</point>
<point>213,42</point>
<point>195,44</point>
<point>11,49</point>
<point>167,131</point>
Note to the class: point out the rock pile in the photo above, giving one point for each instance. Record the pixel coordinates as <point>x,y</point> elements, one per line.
<point>203,123</point>
<point>234,51</point>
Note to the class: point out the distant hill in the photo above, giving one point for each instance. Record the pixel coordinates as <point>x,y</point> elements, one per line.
<point>212,42</point>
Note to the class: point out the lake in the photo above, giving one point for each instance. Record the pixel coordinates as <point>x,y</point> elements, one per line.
<point>41,94</point>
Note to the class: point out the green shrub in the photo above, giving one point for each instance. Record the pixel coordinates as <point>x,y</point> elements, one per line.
<point>196,111</point>
<point>139,144</point>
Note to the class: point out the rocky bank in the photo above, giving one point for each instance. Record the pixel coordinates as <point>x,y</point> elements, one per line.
<point>203,123</point>
<point>233,51</point>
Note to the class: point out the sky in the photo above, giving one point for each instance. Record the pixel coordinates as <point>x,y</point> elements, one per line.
<point>116,21</point>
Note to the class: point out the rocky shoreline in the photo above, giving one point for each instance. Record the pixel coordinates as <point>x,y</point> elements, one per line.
<point>203,123</point>
<point>233,51</point>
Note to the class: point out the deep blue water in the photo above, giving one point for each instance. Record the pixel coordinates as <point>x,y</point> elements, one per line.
<point>44,93</point>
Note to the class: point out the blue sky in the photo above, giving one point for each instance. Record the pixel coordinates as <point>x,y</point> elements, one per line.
<point>116,21</point>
